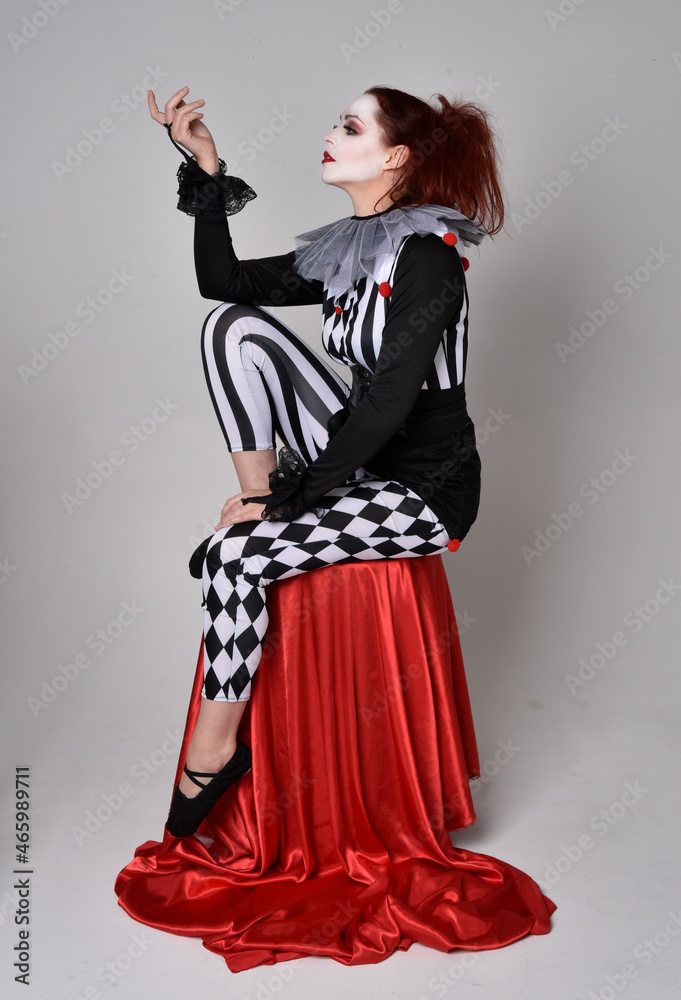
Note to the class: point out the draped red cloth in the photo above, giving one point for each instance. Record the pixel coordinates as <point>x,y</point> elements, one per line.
<point>363,744</point>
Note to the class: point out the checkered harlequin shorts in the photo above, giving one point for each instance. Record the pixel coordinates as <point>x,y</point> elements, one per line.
<point>263,379</point>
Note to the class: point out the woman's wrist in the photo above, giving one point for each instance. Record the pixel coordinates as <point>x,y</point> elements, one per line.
<point>209,164</point>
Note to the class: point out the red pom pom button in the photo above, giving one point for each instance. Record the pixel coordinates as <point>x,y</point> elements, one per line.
<point>338,309</point>
<point>450,239</point>
<point>466,263</point>
<point>385,289</point>
<point>453,544</point>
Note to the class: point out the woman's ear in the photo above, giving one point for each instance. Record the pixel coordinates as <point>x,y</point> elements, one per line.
<point>397,158</point>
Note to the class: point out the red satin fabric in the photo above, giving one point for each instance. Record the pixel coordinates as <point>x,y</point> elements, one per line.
<point>336,842</point>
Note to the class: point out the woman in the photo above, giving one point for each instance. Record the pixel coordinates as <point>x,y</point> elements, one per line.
<point>386,469</point>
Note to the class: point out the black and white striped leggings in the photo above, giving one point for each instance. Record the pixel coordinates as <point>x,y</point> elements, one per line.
<point>263,379</point>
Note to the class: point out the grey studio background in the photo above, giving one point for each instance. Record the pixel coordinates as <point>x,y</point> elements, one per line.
<point>567,588</point>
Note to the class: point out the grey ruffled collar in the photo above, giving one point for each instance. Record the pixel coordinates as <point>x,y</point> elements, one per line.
<point>340,253</point>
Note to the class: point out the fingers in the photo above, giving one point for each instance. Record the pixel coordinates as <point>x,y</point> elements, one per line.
<point>226,514</point>
<point>153,108</point>
<point>180,122</point>
<point>176,112</point>
<point>185,114</point>
<point>235,511</point>
<point>170,107</point>
<point>175,101</point>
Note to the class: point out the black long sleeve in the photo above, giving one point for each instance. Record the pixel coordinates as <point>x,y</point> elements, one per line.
<point>266,281</point>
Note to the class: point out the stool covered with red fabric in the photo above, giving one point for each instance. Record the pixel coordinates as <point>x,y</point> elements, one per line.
<point>336,842</point>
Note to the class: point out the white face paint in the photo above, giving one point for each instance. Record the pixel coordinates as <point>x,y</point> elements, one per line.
<point>359,155</point>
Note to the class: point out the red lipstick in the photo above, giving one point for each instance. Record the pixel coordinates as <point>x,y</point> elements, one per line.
<point>328,158</point>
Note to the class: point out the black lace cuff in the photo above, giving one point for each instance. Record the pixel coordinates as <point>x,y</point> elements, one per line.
<point>209,197</point>
<point>285,503</point>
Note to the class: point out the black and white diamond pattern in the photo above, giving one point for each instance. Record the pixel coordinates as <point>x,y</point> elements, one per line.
<point>365,519</point>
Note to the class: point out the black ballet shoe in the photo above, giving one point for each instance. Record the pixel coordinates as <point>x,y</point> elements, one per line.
<point>186,815</point>
<point>197,559</point>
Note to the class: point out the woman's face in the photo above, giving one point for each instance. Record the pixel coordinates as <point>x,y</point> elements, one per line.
<point>354,150</point>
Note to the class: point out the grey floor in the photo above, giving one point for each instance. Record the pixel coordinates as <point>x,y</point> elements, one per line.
<point>614,901</point>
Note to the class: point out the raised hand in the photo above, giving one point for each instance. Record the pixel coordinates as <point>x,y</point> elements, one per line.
<point>187,129</point>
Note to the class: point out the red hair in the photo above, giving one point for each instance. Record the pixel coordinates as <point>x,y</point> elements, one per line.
<point>453,159</point>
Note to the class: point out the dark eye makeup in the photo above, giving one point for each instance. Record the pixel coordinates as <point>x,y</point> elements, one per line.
<point>349,129</point>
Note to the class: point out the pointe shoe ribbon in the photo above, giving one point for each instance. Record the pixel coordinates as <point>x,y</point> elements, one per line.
<point>186,815</point>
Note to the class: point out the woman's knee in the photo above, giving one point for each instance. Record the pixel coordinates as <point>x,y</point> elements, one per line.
<point>234,327</point>
<point>236,315</point>
<point>225,550</point>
